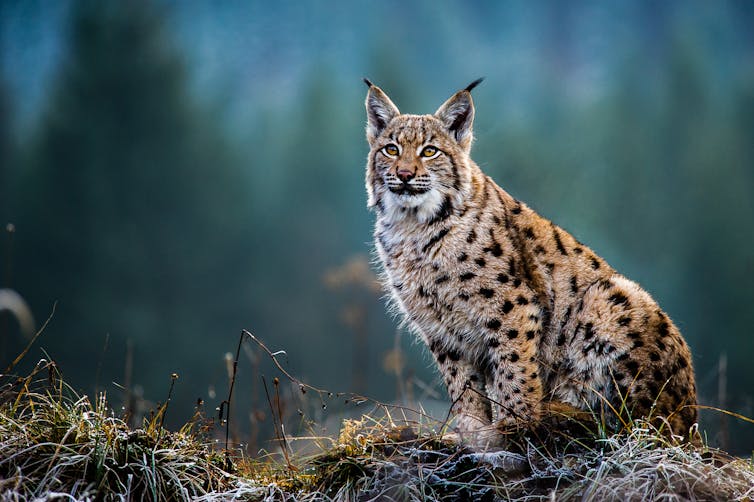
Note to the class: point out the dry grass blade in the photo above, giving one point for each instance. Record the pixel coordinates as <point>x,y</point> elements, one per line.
<point>57,444</point>
<point>63,443</point>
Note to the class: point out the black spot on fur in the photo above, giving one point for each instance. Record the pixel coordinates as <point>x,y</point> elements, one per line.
<point>463,296</point>
<point>633,335</point>
<point>494,324</point>
<point>480,261</point>
<point>638,343</point>
<point>530,335</point>
<point>441,357</point>
<point>558,242</point>
<point>502,278</point>
<point>454,355</point>
<point>654,356</point>
<point>516,209</point>
<point>446,209</point>
<point>467,276</point>
<point>507,307</point>
<point>471,237</point>
<point>663,328</point>
<point>422,292</point>
<point>441,279</point>
<point>529,233</point>
<point>624,321</point>
<point>493,343</point>
<point>588,331</point>
<point>658,375</point>
<point>561,339</point>
<point>595,263</point>
<point>513,357</point>
<point>453,372</point>
<point>574,285</point>
<point>512,333</point>
<point>522,301</point>
<point>463,257</point>
<point>632,366</point>
<point>550,267</point>
<point>618,299</point>
<point>516,282</point>
<point>435,239</point>
<point>486,292</point>
<point>578,250</point>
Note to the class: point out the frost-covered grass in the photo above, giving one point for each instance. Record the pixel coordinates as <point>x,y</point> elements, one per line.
<point>372,462</point>
<point>54,442</point>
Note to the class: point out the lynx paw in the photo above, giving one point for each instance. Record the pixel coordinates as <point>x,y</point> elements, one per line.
<point>476,433</point>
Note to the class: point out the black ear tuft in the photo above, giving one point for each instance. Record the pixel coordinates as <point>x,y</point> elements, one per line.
<point>368,83</point>
<point>471,86</point>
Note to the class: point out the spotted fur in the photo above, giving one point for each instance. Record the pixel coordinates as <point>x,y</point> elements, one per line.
<point>514,309</point>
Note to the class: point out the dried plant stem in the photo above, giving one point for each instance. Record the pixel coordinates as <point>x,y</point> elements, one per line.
<point>277,422</point>
<point>31,342</point>
<point>228,463</point>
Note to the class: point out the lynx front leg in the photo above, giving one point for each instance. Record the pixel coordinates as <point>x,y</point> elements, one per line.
<point>466,388</point>
<point>516,390</point>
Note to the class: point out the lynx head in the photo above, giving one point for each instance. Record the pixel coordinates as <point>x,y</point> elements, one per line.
<point>418,162</point>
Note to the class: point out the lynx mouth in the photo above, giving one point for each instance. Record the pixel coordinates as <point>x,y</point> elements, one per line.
<point>407,190</point>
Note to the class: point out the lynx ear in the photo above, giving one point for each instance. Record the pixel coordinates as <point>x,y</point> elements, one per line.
<point>457,114</point>
<point>380,111</point>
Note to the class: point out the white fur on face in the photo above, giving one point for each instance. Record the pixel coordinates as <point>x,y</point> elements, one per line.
<point>427,205</point>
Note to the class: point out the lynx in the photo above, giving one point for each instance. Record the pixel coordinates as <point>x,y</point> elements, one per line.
<point>516,312</point>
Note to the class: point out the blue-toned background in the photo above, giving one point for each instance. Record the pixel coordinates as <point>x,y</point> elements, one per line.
<point>179,170</point>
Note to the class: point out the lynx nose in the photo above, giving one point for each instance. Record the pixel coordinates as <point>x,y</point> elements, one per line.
<point>405,175</point>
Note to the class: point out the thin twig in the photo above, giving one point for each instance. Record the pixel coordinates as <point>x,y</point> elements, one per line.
<point>228,463</point>
<point>350,396</point>
<point>276,423</point>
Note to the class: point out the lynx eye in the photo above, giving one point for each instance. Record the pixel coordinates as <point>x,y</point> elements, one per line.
<point>391,150</point>
<point>429,151</point>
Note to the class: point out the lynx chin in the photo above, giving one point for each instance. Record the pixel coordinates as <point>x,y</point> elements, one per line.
<point>516,312</point>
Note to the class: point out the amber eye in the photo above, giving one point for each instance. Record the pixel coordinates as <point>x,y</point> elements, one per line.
<point>429,151</point>
<point>391,150</point>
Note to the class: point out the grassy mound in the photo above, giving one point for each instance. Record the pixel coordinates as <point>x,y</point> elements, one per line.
<point>54,442</point>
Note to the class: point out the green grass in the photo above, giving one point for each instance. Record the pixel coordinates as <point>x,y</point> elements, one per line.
<point>54,442</point>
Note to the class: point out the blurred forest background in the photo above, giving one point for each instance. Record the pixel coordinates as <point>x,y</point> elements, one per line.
<point>175,171</point>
